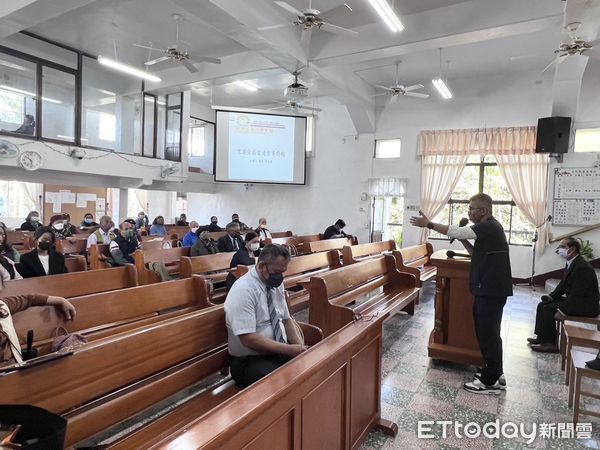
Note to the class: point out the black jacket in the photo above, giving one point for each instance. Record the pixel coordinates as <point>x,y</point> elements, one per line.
<point>29,226</point>
<point>331,231</point>
<point>201,248</point>
<point>225,245</point>
<point>30,265</point>
<point>241,258</point>
<point>577,293</point>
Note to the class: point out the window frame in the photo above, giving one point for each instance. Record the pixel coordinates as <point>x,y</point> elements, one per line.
<point>482,165</point>
<point>387,139</point>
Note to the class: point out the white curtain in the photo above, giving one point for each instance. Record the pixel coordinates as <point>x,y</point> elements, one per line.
<point>387,187</point>
<point>142,200</point>
<point>527,180</point>
<point>439,176</point>
<point>33,191</point>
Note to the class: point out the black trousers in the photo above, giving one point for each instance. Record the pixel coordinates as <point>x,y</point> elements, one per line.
<point>487,315</point>
<point>545,325</point>
<point>249,369</point>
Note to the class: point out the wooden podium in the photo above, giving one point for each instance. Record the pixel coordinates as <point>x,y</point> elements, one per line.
<point>453,336</point>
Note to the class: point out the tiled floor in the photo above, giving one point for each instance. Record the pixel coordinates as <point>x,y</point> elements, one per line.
<point>416,388</point>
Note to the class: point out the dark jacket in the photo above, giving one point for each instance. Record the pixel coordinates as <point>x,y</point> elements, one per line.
<point>202,248</point>
<point>577,293</point>
<point>213,228</point>
<point>490,262</point>
<point>241,258</point>
<point>331,231</point>
<point>29,226</point>
<point>225,245</point>
<point>30,265</point>
<point>125,254</point>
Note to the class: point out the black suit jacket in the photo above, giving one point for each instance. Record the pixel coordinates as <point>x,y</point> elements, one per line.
<point>577,293</point>
<point>225,245</point>
<point>30,265</point>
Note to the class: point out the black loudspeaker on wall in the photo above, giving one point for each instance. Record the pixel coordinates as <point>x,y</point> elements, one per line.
<point>553,135</point>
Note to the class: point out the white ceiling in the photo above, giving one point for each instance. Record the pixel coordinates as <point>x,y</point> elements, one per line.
<point>479,37</point>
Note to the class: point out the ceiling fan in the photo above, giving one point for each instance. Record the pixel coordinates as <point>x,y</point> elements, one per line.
<point>397,89</point>
<point>176,53</point>
<point>576,46</point>
<point>309,19</point>
<point>294,106</point>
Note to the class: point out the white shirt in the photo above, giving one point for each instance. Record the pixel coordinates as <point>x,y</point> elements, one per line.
<point>45,260</point>
<point>5,274</point>
<point>247,311</point>
<point>461,232</point>
<point>93,239</point>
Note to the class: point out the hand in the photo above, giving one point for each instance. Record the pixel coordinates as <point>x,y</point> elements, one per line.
<point>295,349</point>
<point>559,316</point>
<point>419,221</point>
<point>546,298</point>
<point>65,306</point>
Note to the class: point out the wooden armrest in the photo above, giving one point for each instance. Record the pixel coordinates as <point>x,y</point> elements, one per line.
<point>312,334</point>
<point>304,282</point>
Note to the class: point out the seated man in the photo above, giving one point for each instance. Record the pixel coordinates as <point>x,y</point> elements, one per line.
<point>261,334</point>
<point>335,231</point>
<point>576,295</point>
<point>232,241</point>
<point>182,221</point>
<point>102,235</point>
<point>191,237</point>
<point>235,218</point>
<point>124,244</point>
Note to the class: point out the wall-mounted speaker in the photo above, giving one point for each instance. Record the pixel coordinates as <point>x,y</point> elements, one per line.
<point>553,135</point>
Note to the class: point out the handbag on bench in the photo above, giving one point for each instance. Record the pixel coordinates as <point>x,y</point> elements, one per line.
<point>67,342</point>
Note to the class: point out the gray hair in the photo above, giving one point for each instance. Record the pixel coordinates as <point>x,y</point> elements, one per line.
<point>270,253</point>
<point>231,225</point>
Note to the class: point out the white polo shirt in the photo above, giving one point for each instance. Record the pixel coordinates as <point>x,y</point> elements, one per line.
<point>247,311</point>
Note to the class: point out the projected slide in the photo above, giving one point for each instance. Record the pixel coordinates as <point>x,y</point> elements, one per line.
<point>261,147</point>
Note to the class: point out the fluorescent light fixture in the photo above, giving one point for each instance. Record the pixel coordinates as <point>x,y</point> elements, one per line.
<point>127,69</point>
<point>442,88</point>
<point>12,65</point>
<point>30,94</point>
<point>388,15</point>
<point>247,85</point>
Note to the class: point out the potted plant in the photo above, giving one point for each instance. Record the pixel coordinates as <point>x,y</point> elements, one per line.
<point>586,249</point>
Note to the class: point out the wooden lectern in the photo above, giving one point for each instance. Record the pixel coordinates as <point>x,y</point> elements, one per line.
<point>453,336</point>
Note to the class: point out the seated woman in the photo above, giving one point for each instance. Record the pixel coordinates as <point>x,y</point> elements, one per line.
<point>204,245</point>
<point>245,256</point>
<point>262,230</point>
<point>44,259</point>
<point>88,221</point>
<point>6,249</point>
<point>32,222</point>
<point>158,227</point>
<point>10,347</point>
<point>8,271</point>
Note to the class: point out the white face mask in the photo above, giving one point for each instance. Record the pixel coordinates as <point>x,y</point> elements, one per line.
<point>563,252</point>
<point>58,226</point>
<point>194,229</point>
<point>35,219</point>
<point>254,246</point>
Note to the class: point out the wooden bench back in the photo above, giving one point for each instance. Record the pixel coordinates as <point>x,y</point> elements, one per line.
<point>169,256</point>
<point>21,240</point>
<point>76,263</point>
<point>108,365</point>
<point>76,246</point>
<point>307,263</point>
<point>280,234</point>
<point>351,253</point>
<point>216,235</point>
<point>179,231</point>
<point>416,255</point>
<point>310,237</point>
<point>157,244</point>
<point>287,240</point>
<point>105,309</point>
<point>94,253</point>
<point>74,284</point>
<point>325,245</point>
<point>204,264</point>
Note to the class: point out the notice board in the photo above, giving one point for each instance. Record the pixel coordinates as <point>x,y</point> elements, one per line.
<point>75,201</point>
<point>576,196</point>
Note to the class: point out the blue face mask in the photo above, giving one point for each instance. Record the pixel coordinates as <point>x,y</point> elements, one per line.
<point>88,220</point>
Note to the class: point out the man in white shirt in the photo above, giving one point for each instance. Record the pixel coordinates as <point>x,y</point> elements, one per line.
<point>261,334</point>
<point>102,235</point>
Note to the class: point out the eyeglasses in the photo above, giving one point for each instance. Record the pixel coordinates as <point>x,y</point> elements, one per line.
<point>360,318</point>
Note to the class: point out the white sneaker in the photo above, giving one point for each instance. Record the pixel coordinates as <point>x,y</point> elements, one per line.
<point>501,381</point>
<point>477,387</point>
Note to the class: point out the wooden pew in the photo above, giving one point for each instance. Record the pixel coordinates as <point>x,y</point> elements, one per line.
<point>76,263</point>
<point>179,231</point>
<point>326,398</point>
<point>216,235</point>
<point>326,245</point>
<point>416,260</point>
<point>170,257</point>
<point>280,234</point>
<point>75,246</point>
<point>213,268</point>
<point>21,240</point>
<point>94,256</point>
<point>373,287</point>
<point>354,253</point>
<point>74,284</point>
<point>104,313</point>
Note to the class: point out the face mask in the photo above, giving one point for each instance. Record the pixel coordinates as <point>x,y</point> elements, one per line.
<point>274,280</point>
<point>44,245</point>
<point>263,225</point>
<point>35,219</point>
<point>254,246</point>
<point>129,234</point>
<point>194,229</point>
<point>141,217</point>
<point>235,220</point>
<point>214,222</point>
<point>59,226</point>
<point>563,252</point>
<point>88,220</point>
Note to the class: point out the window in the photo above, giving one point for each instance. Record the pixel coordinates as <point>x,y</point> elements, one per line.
<point>17,95</point>
<point>201,146</point>
<point>587,140</point>
<point>483,175</point>
<point>387,148</point>
<point>58,104</point>
<point>107,125</point>
<point>310,134</point>
<point>173,127</point>
<point>16,200</point>
<point>149,115</point>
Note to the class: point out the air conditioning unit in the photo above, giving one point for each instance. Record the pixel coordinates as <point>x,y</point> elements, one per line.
<point>376,236</point>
